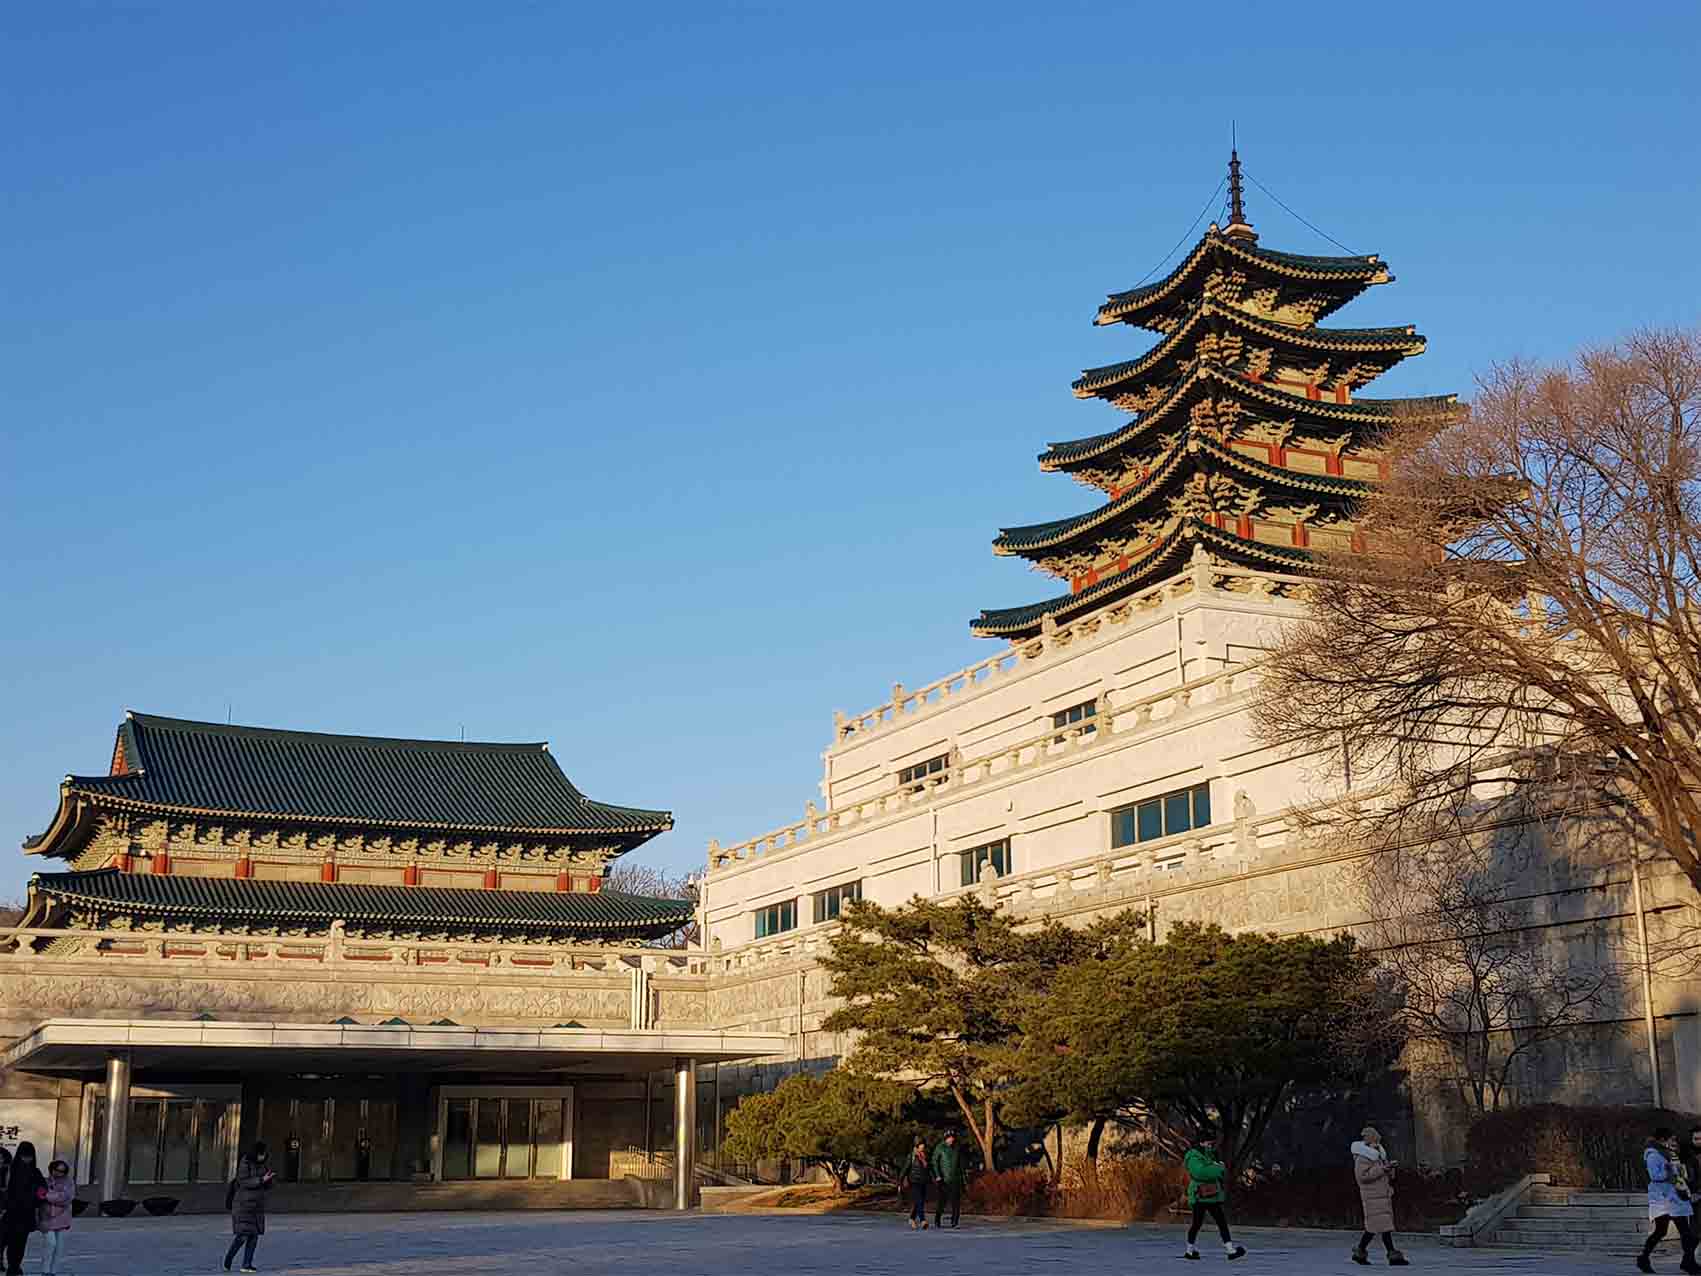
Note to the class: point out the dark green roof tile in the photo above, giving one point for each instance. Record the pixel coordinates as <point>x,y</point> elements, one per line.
<point>240,900</point>
<point>305,775</point>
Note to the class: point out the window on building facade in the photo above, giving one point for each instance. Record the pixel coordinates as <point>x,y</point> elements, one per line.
<point>1162,816</point>
<point>993,854</point>
<point>831,902</point>
<point>1082,712</point>
<point>776,919</point>
<point>915,777</point>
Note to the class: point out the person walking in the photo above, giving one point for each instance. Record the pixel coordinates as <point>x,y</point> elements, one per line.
<point>25,1187</point>
<point>1207,1192</point>
<point>248,1207</point>
<point>916,1175</point>
<point>1689,1152</point>
<point>1668,1201</point>
<point>53,1215</point>
<point>1375,1173</point>
<point>948,1171</point>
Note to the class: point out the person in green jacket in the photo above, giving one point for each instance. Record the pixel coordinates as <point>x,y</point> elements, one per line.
<point>948,1173</point>
<point>1207,1192</point>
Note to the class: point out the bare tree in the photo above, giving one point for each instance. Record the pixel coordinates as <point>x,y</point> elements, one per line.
<point>1478,991</point>
<point>657,883</point>
<point>1527,609</point>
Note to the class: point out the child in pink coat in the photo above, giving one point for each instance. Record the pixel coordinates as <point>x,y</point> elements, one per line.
<point>53,1214</point>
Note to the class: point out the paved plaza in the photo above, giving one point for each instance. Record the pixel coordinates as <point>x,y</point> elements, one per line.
<point>635,1243</point>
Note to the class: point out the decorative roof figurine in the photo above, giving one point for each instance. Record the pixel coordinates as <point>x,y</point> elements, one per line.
<point>1247,438</point>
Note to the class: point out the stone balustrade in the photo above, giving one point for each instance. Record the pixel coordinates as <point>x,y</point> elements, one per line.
<point>1053,639</point>
<point>1114,718</point>
<point>34,944</point>
<point>1124,877</point>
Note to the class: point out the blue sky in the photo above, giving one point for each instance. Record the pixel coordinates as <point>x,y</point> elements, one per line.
<point>651,379</point>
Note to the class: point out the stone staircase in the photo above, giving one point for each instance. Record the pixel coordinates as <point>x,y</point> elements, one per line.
<point>1570,1218</point>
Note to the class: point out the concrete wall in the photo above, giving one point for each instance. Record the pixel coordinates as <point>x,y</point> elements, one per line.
<point>1172,712</point>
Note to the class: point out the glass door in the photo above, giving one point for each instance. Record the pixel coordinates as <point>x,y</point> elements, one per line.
<point>310,1159</point>
<point>517,1151</point>
<point>507,1132</point>
<point>487,1152</point>
<point>171,1139</point>
<point>457,1139</point>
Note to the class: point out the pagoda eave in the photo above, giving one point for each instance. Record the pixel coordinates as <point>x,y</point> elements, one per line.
<point>1382,347</point>
<point>1347,276</point>
<point>1363,413</point>
<point>1063,534</point>
<point>1161,561</point>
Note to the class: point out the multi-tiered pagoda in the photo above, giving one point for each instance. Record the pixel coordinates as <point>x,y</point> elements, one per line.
<point>1248,440</point>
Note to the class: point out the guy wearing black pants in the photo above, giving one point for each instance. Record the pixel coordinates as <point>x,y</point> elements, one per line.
<point>1207,1190</point>
<point>948,1172</point>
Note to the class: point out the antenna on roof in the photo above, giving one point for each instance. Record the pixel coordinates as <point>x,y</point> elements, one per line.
<point>463,733</point>
<point>229,707</point>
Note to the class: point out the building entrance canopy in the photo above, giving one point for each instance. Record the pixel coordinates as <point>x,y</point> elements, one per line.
<point>119,1048</point>
<point>81,1047</point>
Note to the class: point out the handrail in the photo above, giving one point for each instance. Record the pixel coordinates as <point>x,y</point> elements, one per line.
<point>1110,719</point>
<point>23,944</point>
<point>1203,578</point>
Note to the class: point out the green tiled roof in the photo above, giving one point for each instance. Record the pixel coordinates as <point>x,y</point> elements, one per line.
<point>1396,343</point>
<point>1037,538</point>
<point>1346,276</point>
<point>1371,412</point>
<point>238,900</point>
<point>213,768</point>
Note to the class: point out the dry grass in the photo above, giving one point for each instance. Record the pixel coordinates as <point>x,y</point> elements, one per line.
<point>1127,1188</point>
<point>1022,1193</point>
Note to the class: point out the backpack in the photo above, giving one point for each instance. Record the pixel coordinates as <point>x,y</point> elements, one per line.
<point>230,1196</point>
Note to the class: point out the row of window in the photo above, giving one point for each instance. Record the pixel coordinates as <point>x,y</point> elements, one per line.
<point>1163,816</point>
<point>914,777</point>
<point>776,919</point>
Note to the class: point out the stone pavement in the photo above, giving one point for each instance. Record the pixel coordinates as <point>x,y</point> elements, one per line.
<point>645,1243</point>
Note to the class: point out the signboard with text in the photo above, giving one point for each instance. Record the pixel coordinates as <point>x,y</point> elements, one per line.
<point>33,1121</point>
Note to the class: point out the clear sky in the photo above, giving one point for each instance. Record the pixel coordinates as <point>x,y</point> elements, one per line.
<point>651,379</point>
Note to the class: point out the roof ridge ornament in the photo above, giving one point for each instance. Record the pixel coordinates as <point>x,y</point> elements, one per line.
<point>1238,227</point>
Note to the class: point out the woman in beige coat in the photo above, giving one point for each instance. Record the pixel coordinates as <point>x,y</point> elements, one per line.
<point>1375,1174</point>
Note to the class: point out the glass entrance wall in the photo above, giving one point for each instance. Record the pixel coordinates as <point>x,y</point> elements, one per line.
<point>177,1135</point>
<point>336,1139</point>
<point>510,1132</point>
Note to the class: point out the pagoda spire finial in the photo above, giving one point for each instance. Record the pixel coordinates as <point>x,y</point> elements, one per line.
<point>1238,226</point>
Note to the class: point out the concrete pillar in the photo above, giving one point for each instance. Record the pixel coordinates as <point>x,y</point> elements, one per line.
<point>1685,1094</point>
<point>684,1133</point>
<point>117,1141</point>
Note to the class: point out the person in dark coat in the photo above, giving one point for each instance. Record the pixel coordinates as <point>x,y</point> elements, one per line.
<point>917,1174</point>
<point>1689,1152</point>
<point>947,1167</point>
<point>26,1188</point>
<point>248,1211</point>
